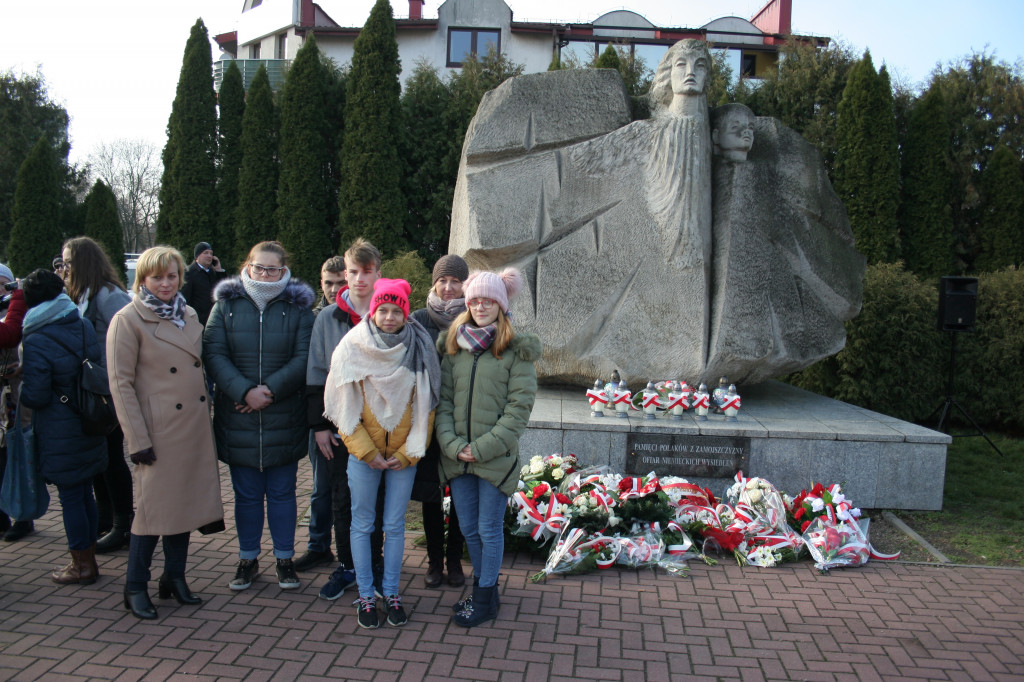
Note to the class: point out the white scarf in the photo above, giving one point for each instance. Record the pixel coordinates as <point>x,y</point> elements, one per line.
<point>361,370</point>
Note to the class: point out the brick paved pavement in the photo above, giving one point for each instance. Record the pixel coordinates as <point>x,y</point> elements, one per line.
<point>884,621</point>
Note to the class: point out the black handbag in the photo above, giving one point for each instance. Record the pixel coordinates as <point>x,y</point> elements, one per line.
<point>90,397</point>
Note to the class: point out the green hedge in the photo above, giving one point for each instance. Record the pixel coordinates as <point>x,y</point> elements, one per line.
<point>894,361</point>
<point>897,363</point>
<point>410,267</point>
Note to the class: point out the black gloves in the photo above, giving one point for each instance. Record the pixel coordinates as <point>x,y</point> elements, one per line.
<point>146,456</point>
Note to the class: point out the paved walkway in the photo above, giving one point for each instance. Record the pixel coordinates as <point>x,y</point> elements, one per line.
<point>881,622</point>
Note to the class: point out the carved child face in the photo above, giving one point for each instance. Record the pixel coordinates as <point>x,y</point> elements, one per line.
<point>690,73</point>
<point>734,136</point>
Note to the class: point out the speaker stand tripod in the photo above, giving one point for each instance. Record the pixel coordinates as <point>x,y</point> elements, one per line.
<point>951,402</point>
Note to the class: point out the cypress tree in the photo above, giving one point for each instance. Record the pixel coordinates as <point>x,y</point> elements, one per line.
<point>609,59</point>
<point>867,162</point>
<point>188,190</point>
<point>1002,212</point>
<point>304,186</point>
<point>103,223</point>
<point>36,235</point>
<point>926,225</point>
<point>371,200</point>
<point>229,148</point>
<point>425,143</point>
<point>257,177</point>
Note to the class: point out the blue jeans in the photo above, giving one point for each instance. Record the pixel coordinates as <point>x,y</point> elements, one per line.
<point>277,486</point>
<point>81,520</point>
<point>481,509</point>
<point>320,516</point>
<point>363,483</point>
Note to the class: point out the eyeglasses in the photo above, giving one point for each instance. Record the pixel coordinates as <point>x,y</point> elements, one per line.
<point>265,269</point>
<point>484,303</point>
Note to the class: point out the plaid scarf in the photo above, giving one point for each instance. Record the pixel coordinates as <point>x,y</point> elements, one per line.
<point>476,339</point>
<point>173,311</point>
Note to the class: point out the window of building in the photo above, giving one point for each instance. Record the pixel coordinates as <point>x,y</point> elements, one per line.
<point>467,41</point>
<point>254,51</point>
<point>748,65</point>
<point>282,44</point>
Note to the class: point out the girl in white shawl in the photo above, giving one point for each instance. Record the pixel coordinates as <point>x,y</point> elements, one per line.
<point>381,392</point>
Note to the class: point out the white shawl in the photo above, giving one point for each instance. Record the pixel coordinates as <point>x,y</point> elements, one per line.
<point>360,370</point>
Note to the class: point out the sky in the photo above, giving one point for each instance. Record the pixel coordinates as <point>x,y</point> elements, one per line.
<point>114,64</point>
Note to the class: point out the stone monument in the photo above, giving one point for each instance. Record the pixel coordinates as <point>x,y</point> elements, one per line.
<point>693,244</point>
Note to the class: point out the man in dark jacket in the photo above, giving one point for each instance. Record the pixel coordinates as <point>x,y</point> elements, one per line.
<point>200,279</point>
<point>362,269</point>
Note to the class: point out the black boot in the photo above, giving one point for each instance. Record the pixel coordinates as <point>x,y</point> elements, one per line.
<point>118,536</point>
<point>177,588</point>
<point>480,611</point>
<point>139,603</point>
<point>463,603</point>
<point>18,530</point>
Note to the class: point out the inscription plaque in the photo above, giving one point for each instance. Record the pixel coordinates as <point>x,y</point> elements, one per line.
<point>686,455</point>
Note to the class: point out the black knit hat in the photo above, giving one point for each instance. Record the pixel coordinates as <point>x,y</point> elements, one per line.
<point>200,247</point>
<point>41,286</point>
<point>450,266</point>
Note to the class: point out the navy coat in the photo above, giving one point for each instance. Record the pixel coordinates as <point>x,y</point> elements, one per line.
<point>243,348</point>
<point>67,456</point>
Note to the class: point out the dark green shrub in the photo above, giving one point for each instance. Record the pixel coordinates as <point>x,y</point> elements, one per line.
<point>990,362</point>
<point>410,267</point>
<point>894,362</point>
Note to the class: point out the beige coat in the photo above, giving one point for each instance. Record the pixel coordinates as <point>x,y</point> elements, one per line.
<point>156,379</point>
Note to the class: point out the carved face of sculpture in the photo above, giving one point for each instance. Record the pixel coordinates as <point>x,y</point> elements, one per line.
<point>734,135</point>
<point>690,73</point>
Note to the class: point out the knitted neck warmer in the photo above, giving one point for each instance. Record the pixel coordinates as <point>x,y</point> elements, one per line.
<point>262,292</point>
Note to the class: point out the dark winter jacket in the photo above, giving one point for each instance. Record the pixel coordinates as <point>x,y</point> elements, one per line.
<point>486,403</point>
<point>101,310</point>
<point>198,289</point>
<point>243,348</point>
<point>67,456</point>
<point>330,326</point>
<point>427,487</point>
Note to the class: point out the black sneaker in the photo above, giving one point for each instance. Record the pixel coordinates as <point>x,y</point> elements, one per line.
<point>396,614</point>
<point>286,576</point>
<point>312,558</point>
<point>244,574</point>
<point>366,608</point>
<point>340,580</point>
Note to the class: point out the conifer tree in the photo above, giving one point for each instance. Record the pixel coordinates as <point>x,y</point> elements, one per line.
<point>371,199</point>
<point>257,177</point>
<point>867,161</point>
<point>609,59</point>
<point>188,190</point>
<point>36,235</point>
<point>304,185</point>
<point>926,225</point>
<point>425,143</point>
<point>229,149</point>
<point>1002,215</point>
<point>103,223</point>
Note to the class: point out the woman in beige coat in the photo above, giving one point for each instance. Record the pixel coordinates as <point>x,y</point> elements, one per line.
<point>154,351</point>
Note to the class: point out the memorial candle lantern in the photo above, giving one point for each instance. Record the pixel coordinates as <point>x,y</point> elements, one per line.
<point>598,399</point>
<point>622,399</point>
<point>702,402</point>
<point>731,405</point>
<point>651,401</point>
<point>677,401</point>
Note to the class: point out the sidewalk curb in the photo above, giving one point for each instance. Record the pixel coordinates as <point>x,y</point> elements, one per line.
<point>909,532</point>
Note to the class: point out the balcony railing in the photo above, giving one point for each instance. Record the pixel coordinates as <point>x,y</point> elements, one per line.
<point>276,69</point>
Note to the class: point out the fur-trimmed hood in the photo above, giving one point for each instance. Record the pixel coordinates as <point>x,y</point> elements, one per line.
<point>296,291</point>
<point>526,346</point>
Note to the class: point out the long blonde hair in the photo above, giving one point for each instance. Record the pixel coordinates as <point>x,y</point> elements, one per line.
<point>501,340</point>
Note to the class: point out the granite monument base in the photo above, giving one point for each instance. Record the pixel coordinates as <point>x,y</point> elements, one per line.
<point>787,435</point>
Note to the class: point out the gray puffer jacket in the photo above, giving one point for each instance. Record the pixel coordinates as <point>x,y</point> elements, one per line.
<point>243,348</point>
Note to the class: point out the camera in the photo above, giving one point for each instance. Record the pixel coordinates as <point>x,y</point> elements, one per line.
<point>11,286</point>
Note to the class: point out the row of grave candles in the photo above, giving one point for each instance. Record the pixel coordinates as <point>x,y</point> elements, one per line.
<point>618,398</point>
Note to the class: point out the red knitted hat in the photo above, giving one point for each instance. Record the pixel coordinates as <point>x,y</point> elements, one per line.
<point>394,291</point>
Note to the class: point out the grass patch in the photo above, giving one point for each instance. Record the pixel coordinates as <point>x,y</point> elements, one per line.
<point>982,519</point>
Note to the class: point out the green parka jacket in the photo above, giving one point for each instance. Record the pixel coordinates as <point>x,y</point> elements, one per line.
<point>486,403</point>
